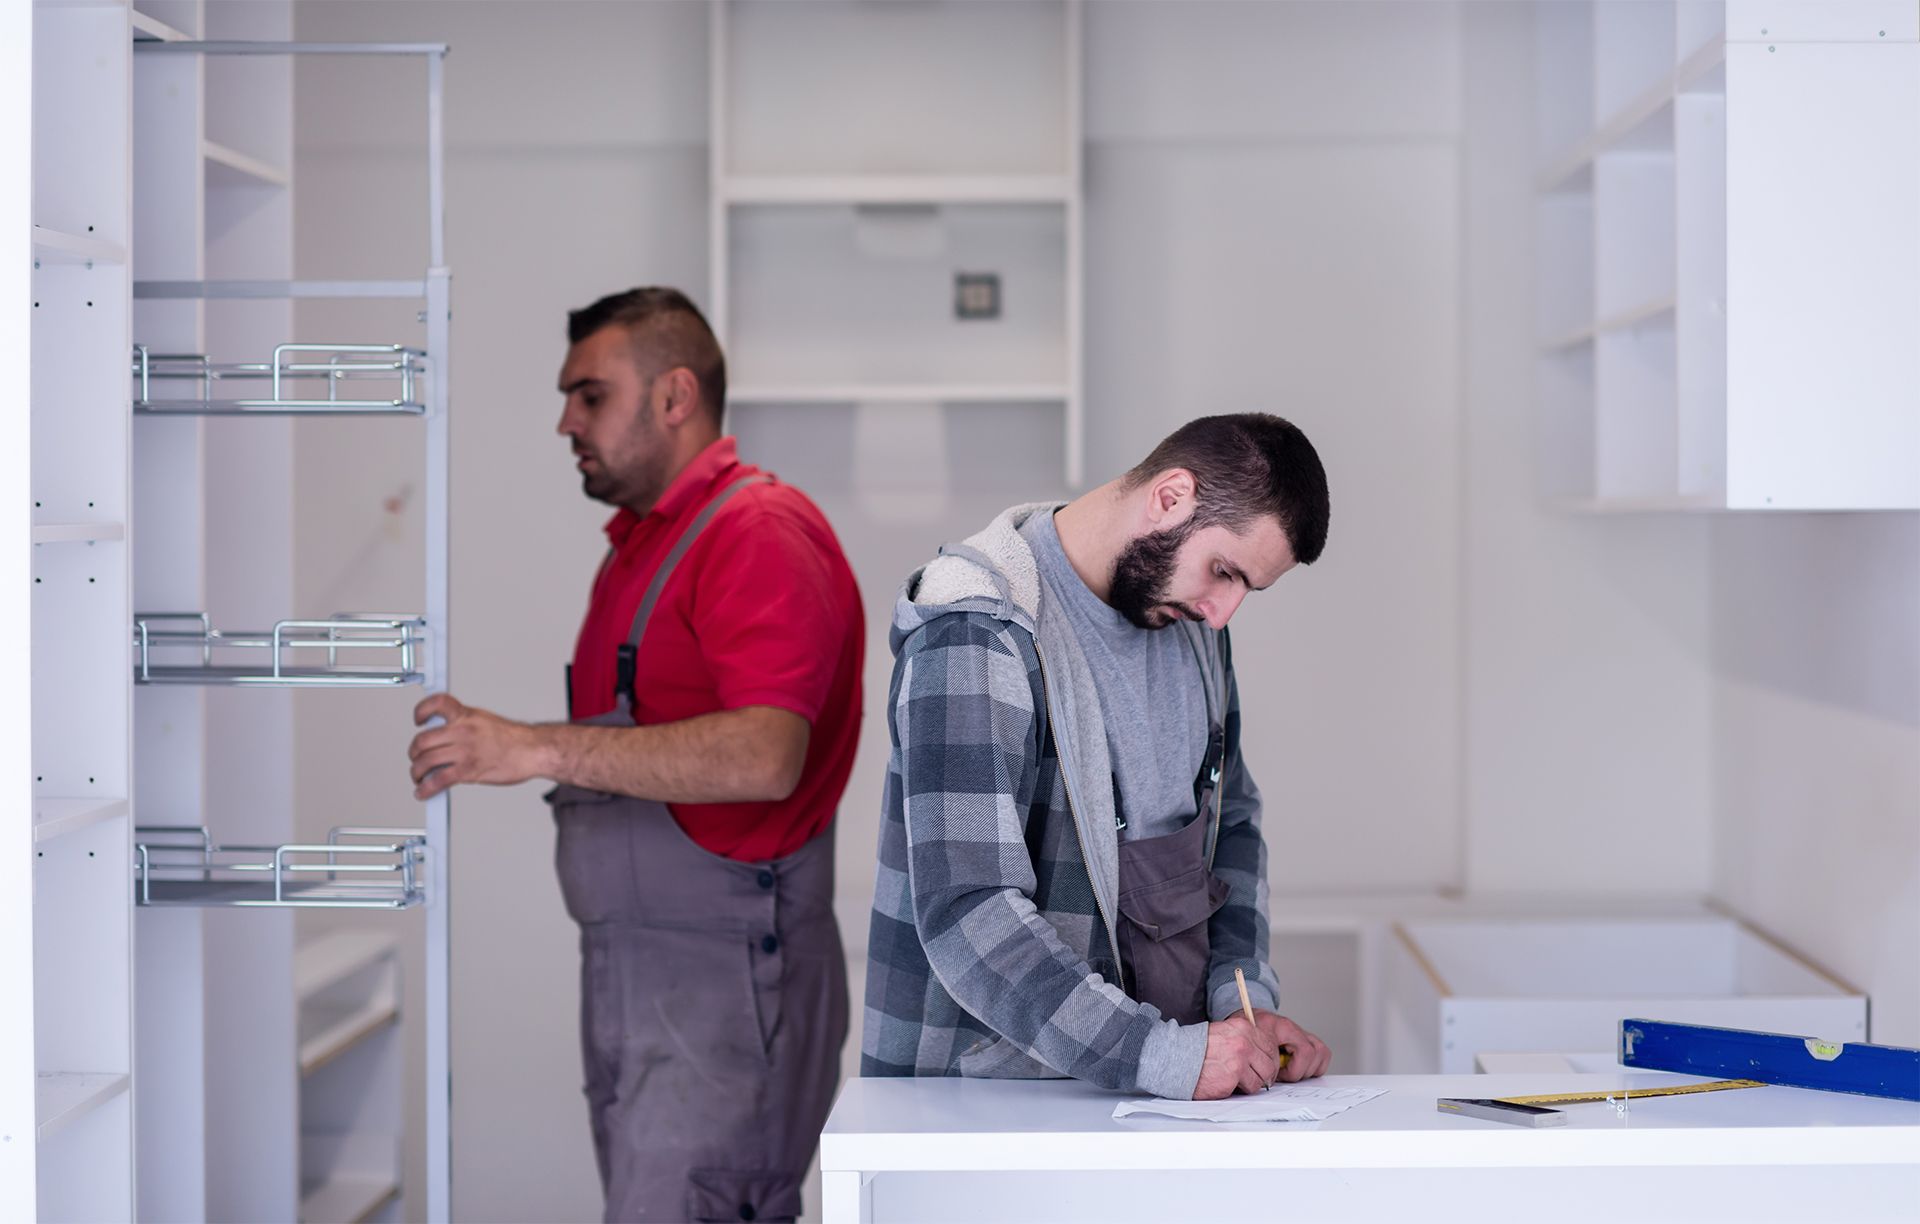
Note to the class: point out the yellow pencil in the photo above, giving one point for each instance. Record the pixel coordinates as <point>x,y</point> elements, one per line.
<point>1246,1005</point>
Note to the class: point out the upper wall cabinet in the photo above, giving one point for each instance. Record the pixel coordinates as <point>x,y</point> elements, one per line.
<point>1728,261</point>
<point>897,205</point>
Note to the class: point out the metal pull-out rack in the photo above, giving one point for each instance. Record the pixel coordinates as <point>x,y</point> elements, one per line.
<point>198,655</point>
<point>355,868</point>
<point>335,364</point>
<point>269,653</point>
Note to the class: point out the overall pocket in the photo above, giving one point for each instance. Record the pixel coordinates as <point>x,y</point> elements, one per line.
<point>590,853</point>
<point>1163,930</point>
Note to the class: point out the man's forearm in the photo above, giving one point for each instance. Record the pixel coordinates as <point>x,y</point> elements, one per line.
<point>735,756</point>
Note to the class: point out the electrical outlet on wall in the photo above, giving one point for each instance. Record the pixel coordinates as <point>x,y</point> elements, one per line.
<point>976,295</point>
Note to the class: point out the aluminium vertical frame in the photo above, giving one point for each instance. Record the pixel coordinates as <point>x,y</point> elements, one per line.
<point>434,291</point>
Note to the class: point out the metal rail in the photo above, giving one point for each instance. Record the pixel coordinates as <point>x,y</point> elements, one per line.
<point>181,865</point>
<point>401,365</point>
<point>403,636</point>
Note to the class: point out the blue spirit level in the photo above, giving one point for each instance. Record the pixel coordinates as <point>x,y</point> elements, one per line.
<point>1773,1058</point>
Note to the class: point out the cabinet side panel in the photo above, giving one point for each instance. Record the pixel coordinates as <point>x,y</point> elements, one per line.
<point>1823,276</point>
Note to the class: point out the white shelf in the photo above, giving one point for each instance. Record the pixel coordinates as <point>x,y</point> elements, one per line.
<point>53,817</point>
<point>346,1032</point>
<point>1635,315</point>
<point>1630,122</point>
<point>896,189</point>
<point>231,168</point>
<point>77,533</point>
<point>1638,505</point>
<point>1624,320</point>
<point>57,247</point>
<point>319,963</point>
<point>63,1097</point>
<point>149,29</point>
<point>902,393</point>
<point>347,1199</point>
<point>323,963</point>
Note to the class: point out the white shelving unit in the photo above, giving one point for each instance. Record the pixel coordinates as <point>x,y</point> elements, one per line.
<point>66,1029</point>
<point>252,1049</point>
<point>162,165</point>
<point>839,227</point>
<point>1729,275</point>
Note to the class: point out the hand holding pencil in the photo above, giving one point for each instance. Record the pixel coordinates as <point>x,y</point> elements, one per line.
<point>1246,1005</point>
<point>1302,1055</point>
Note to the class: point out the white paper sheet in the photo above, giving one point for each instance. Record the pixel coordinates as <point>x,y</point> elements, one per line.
<point>1280,1103</point>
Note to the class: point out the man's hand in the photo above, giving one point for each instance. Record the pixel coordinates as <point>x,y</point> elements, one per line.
<point>474,746</point>
<point>1308,1056</point>
<point>1239,1057</point>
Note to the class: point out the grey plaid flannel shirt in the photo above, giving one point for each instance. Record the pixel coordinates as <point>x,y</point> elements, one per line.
<point>989,954</point>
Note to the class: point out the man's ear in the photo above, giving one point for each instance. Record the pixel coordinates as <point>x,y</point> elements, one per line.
<point>1170,498</point>
<point>676,396</point>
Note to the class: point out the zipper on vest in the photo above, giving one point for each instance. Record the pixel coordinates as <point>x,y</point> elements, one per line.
<point>1218,786</point>
<point>1219,778</point>
<point>1113,936</point>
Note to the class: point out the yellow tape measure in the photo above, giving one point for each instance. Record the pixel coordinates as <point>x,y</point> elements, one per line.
<point>1584,1098</point>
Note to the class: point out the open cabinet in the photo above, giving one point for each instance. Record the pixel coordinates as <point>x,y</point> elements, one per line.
<point>300,1068</point>
<point>190,1060</point>
<point>1726,254</point>
<point>906,239</point>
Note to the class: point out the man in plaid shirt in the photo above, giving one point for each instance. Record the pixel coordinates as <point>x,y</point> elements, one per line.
<point>1071,865</point>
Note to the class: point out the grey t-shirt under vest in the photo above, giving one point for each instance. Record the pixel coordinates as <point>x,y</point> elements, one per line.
<point>1152,695</point>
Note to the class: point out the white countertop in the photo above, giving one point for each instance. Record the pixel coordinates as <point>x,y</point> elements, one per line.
<point>881,1125</point>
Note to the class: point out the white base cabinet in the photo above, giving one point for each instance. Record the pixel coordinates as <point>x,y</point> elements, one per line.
<point>1456,988</point>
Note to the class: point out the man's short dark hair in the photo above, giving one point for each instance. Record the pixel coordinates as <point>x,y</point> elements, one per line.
<point>668,330</point>
<point>1245,466</point>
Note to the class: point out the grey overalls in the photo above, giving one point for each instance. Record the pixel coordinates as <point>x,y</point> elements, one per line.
<point>1168,892</point>
<point>713,996</point>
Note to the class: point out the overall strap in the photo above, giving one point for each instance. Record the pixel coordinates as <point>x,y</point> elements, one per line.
<point>679,550</point>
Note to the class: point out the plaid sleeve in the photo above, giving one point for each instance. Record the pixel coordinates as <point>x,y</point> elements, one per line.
<point>969,742</point>
<point>1238,930</point>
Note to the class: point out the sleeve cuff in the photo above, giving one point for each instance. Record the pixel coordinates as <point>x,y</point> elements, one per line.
<point>1170,1060</point>
<point>1226,999</point>
<point>808,710</point>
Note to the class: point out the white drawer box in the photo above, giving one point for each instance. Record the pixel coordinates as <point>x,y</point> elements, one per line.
<point>1457,987</point>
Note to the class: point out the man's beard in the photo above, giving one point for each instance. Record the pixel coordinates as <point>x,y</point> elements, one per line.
<point>640,482</point>
<point>1142,574</point>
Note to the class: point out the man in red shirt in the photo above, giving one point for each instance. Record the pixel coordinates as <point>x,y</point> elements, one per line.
<point>715,705</point>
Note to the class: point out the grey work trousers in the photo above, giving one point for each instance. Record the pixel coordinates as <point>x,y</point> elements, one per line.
<point>713,1008</point>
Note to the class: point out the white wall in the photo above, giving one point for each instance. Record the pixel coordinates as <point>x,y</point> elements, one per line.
<point>1273,218</point>
<point>1585,657</point>
<point>1315,209</point>
<point>1816,743</point>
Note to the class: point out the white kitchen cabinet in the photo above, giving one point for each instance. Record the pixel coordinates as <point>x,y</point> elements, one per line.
<point>937,140</point>
<point>1728,272</point>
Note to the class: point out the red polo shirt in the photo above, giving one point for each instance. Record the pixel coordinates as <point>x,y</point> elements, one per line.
<point>761,611</point>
